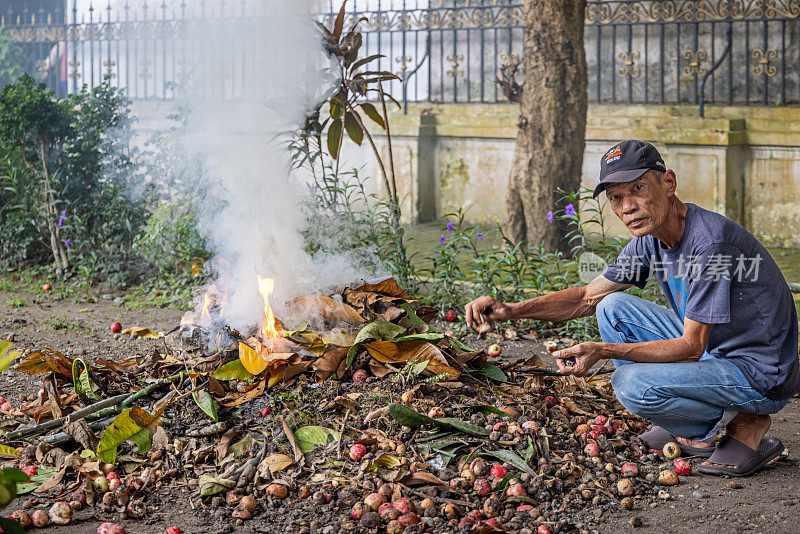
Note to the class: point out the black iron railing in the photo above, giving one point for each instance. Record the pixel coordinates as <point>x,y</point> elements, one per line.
<point>443,50</point>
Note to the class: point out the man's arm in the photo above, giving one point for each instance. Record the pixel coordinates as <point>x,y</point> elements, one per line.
<point>563,305</point>
<point>687,348</point>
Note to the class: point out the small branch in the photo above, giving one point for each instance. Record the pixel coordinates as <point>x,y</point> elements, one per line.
<point>393,192</point>
<point>298,454</point>
<point>341,433</point>
<point>439,499</point>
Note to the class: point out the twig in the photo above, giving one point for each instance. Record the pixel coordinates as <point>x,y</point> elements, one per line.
<point>63,437</point>
<point>298,454</point>
<point>438,499</point>
<point>341,433</point>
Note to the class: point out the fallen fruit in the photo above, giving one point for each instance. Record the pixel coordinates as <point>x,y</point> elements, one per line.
<point>370,520</point>
<point>681,466</point>
<point>591,449</point>
<point>173,530</point>
<point>60,513</point>
<point>358,510</point>
<point>436,412</point>
<point>511,334</point>
<point>29,470</point>
<point>494,350</point>
<point>450,316</point>
<point>492,507</point>
<point>23,518</point>
<point>100,484</point>
<point>629,470</point>
<point>450,511</point>
<point>266,411</point>
<point>248,503</point>
<point>112,528</point>
<point>374,501</point>
<point>671,450</point>
<point>357,451</point>
<point>626,503</point>
<point>404,505</point>
<point>543,529</point>
<point>601,420</point>
<point>668,478</point>
<point>482,487</point>
<point>625,487</point>
<point>359,376</point>
<point>449,333</point>
<point>408,519</point>
<point>113,484</point>
<point>135,509</point>
<point>516,490</point>
<point>498,471</point>
<point>46,287</point>
<point>116,327</point>
<point>551,346</point>
<point>277,491</point>
<point>40,518</point>
<point>395,527</point>
<point>6,407</point>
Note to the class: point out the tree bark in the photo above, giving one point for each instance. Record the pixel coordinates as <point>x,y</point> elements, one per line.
<point>552,122</point>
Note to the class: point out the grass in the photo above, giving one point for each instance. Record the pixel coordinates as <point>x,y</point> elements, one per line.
<point>62,322</point>
<point>16,303</point>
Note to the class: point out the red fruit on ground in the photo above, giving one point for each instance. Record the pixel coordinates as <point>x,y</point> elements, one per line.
<point>29,470</point>
<point>601,420</point>
<point>449,333</point>
<point>494,350</point>
<point>681,466</point>
<point>6,407</point>
<point>266,411</point>
<point>173,530</point>
<point>116,327</point>
<point>404,505</point>
<point>671,450</point>
<point>629,470</point>
<point>543,529</point>
<point>46,287</point>
<point>593,434</point>
<point>375,501</point>
<point>2,400</point>
<point>359,376</point>
<point>409,519</point>
<point>358,510</point>
<point>591,449</point>
<point>482,487</point>
<point>357,451</point>
<point>110,528</point>
<point>511,334</point>
<point>516,490</point>
<point>450,317</point>
<point>498,471</point>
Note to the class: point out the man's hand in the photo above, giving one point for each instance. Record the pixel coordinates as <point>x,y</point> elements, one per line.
<point>585,355</point>
<point>485,309</point>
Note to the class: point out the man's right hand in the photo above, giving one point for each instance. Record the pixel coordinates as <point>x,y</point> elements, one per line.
<point>485,309</point>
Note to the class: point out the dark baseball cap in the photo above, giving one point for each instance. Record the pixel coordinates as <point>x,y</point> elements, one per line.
<point>627,161</point>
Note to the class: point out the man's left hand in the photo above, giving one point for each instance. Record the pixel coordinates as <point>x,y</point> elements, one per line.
<point>585,355</point>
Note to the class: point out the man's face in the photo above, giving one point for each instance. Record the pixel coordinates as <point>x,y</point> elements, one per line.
<point>643,205</point>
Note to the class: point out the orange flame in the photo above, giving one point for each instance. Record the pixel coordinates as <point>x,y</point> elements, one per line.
<point>205,315</point>
<point>268,329</point>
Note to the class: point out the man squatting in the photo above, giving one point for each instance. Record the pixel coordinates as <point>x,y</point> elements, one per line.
<point>726,356</point>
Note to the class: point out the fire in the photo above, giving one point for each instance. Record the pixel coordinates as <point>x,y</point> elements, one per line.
<point>205,315</point>
<point>268,329</point>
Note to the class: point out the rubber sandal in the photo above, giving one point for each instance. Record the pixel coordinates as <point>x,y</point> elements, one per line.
<point>657,437</point>
<point>731,451</point>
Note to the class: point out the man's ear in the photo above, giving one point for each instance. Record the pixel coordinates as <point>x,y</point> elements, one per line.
<point>670,180</point>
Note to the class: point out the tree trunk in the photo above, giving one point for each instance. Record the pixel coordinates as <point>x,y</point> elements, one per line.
<point>58,248</point>
<point>552,122</point>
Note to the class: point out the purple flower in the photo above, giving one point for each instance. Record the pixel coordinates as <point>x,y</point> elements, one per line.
<point>179,237</point>
<point>549,216</point>
<point>60,222</point>
<point>442,239</point>
<point>64,214</point>
<point>450,227</point>
<point>68,242</point>
<point>569,210</point>
<point>480,236</point>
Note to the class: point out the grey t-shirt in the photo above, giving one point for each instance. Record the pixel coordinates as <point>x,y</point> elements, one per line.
<point>720,274</point>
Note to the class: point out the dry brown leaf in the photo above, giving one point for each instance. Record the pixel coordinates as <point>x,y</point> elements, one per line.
<point>247,396</point>
<point>570,405</point>
<point>421,478</point>
<point>412,351</point>
<point>51,482</point>
<point>274,463</point>
<point>387,286</point>
<point>327,364</point>
<point>81,432</point>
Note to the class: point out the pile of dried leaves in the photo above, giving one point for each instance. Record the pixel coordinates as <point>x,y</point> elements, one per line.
<point>371,420</point>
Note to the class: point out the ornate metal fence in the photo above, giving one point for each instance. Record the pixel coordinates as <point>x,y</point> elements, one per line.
<point>735,52</point>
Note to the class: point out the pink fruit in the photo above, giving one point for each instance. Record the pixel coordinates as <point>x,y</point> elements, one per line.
<point>409,519</point>
<point>40,518</point>
<point>29,470</point>
<point>357,451</point>
<point>266,411</point>
<point>359,376</point>
<point>173,530</point>
<point>469,476</point>
<point>516,490</point>
<point>388,514</point>
<point>2,400</point>
<point>543,529</point>
<point>482,487</point>
<point>60,513</point>
<point>46,287</point>
<point>511,334</point>
<point>524,508</point>
<point>625,487</point>
<point>450,317</point>
<point>530,425</point>
<point>592,434</point>
<point>591,449</point>
<point>494,523</point>
<point>111,528</point>
<point>671,450</point>
<point>23,518</point>
<point>498,471</point>
<point>681,466</point>
<point>116,327</point>
<point>449,333</point>
<point>494,350</point>
<point>113,484</point>
<point>601,420</point>
<point>549,401</point>
<point>6,407</point>
<point>374,501</point>
<point>582,429</point>
<point>112,474</point>
<point>629,470</point>
<point>358,510</point>
<point>404,505</point>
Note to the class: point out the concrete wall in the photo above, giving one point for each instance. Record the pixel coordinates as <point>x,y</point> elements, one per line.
<point>743,162</point>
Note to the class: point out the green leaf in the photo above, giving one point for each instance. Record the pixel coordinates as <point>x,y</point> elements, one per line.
<point>9,526</point>
<point>354,130</point>
<point>459,345</point>
<point>5,450</point>
<point>376,330</point>
<point>373,114</point>
<point>206,403</point>
<point>211,486</point>
<point>490,371</point>
<point>134,424</point>
<point>334,138</point>
<point>432,337</point>
<point>501,485</point>
<point>233,371</point>
<point>419,367</point>
<point>27,485</point>
<point>530,450</point>
<point>82,382</point>
<point>408,417</point>
<point>6,357</point>
<point>310,437</point>
<point>412,317</point>
<point>513,459</point>
<point>485,409</point>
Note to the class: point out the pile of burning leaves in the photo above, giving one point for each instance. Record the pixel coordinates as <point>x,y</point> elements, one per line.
<point>370,421</point>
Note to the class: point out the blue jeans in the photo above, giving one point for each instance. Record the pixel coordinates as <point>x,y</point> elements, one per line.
<point>694,400</point>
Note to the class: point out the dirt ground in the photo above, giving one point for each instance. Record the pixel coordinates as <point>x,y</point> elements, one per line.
<point>766,502</point>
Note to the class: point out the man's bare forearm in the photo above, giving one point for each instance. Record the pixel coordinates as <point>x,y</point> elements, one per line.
<point>569,303</point>
<point>658,351</point>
